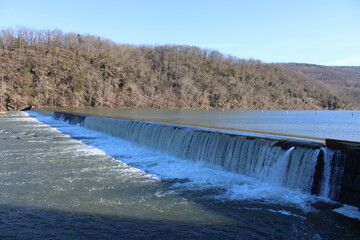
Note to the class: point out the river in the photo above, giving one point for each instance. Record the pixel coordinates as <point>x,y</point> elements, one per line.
<point>61,181</point>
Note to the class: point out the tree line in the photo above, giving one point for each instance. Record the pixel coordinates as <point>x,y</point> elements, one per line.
<point>52,68</point>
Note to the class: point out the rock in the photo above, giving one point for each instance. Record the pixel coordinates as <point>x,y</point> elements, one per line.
<point>27,108</point>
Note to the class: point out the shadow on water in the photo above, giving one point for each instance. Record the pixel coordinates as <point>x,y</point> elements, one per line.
<point>36,223</point>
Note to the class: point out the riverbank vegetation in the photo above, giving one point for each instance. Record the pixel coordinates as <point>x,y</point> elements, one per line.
<point>52,68</point>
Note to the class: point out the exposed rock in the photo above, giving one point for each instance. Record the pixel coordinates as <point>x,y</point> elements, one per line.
<point>27,108</point>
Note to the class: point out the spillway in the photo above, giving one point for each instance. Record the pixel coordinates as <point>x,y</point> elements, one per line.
<point>299,164</point>
<point>153,180</point>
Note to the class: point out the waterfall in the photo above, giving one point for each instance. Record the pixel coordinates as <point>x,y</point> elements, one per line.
<point>300,165</point>
<point>333,172</point>
<point>70,118</point>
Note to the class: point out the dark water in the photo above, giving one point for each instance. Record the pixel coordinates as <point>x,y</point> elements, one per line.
<point>59,181</point>
<point>343,125</point>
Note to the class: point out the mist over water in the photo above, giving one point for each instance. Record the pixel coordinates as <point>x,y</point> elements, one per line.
<point>54,174</point>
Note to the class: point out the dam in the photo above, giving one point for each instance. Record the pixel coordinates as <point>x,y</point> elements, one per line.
<point>327,168</point>
<point>81,176</point>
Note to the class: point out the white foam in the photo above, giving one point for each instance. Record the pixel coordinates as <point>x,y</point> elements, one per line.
<point>282,211</point>
<point>287,213</point>
<point>348,211</point>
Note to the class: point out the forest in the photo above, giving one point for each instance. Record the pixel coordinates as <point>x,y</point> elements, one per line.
<point>52,68</point>
<point>345,79</point>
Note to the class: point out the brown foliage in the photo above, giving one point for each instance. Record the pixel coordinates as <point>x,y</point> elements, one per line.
<point>49,68</point>
<point>343,80</point>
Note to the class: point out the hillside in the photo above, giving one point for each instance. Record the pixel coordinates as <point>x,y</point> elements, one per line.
<point>345,80</point>
<point>50,68</point>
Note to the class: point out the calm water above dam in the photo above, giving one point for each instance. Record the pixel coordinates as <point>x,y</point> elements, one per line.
<point>62,181</point>
<point>342,125</point>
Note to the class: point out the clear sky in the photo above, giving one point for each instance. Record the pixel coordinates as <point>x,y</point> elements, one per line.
<point>309,31</point>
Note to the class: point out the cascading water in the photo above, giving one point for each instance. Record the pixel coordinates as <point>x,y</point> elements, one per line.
<point>333,171</point>
<point>299,165</point>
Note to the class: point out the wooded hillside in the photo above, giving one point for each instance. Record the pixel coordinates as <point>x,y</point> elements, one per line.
<point>50,68</point>
<point>345,80</point>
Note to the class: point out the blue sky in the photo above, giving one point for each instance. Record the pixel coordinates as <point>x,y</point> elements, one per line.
<point>323,32</point>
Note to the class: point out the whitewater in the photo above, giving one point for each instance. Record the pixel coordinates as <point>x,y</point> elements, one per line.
<point>50,169</point>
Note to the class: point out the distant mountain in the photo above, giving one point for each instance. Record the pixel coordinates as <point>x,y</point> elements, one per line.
<point>50,68</point>
<point>345,80</point>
